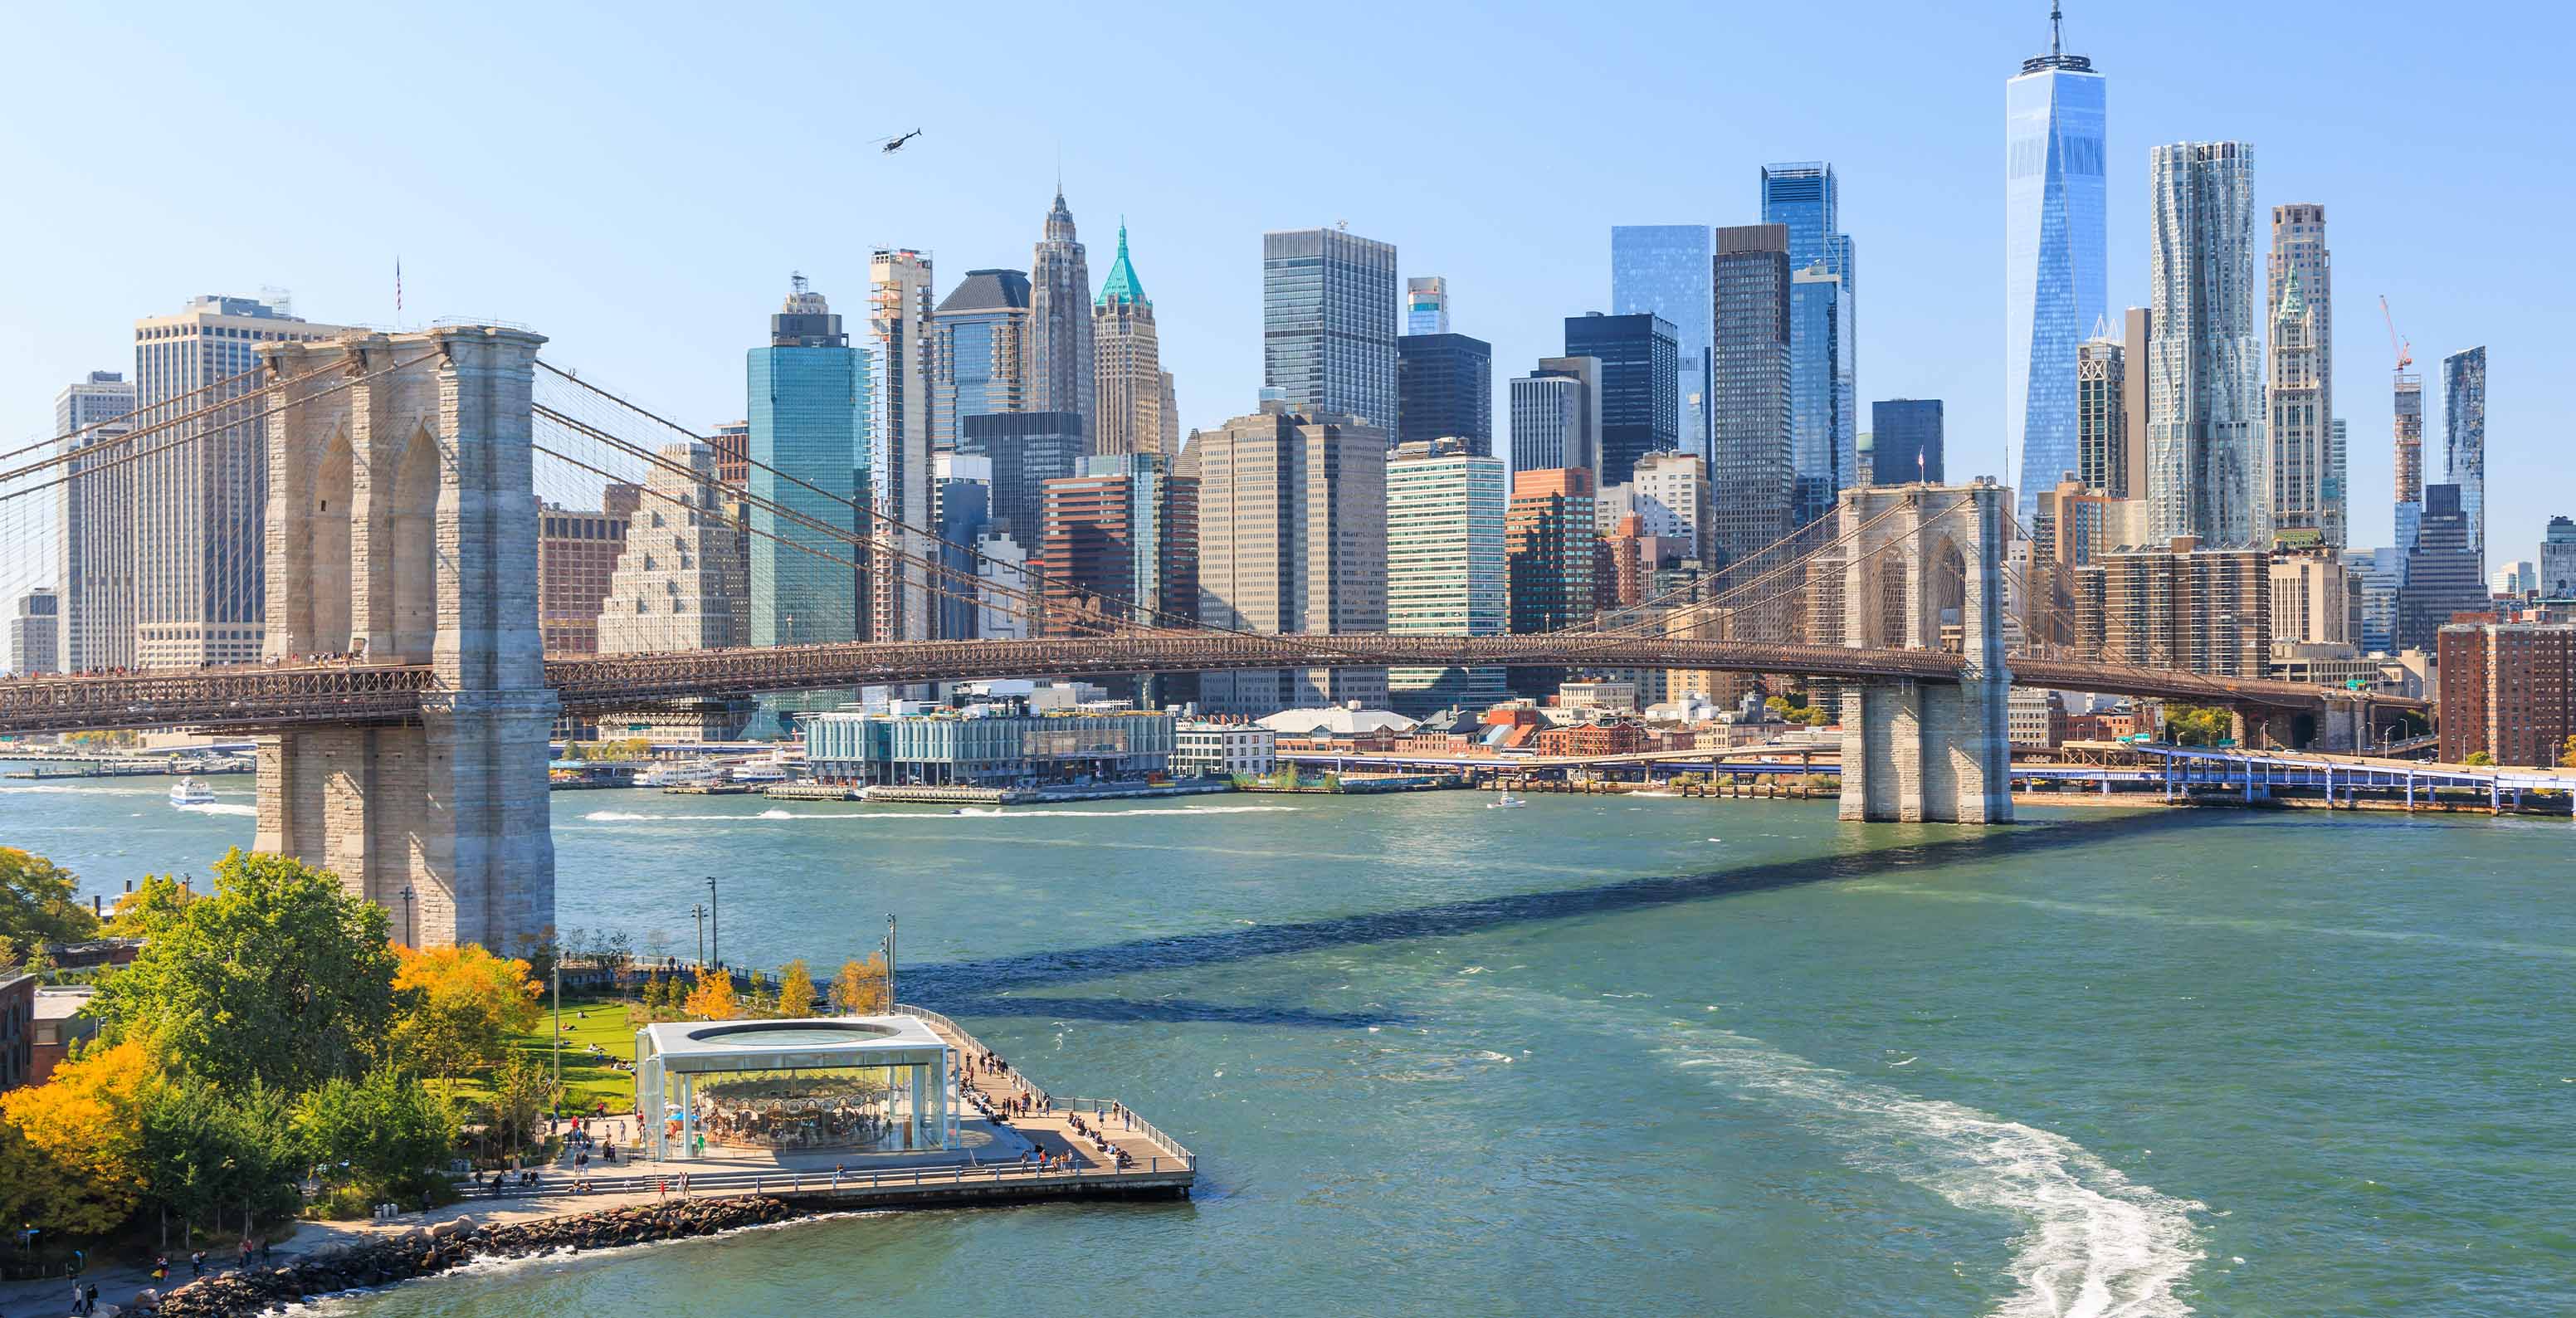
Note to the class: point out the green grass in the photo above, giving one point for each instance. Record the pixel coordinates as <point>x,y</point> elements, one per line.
<point>586,1082</point>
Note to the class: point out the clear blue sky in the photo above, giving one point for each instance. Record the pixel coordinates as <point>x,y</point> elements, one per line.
<point>637,181</point>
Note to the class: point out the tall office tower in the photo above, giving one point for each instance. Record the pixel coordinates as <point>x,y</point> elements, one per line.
<point>1804,199</point>
<point>1548,555</point>
<point>1664,269</point>
<point>1170,445</point>
<point>94,525</point>
<point>201,491</point>
<point>1444,387</point>
<point>669,590</point>
<point>1640,400</point>
<point>2464,440</point>
<point>1328,324</point>
<point>2299,248</point>
<point>807,395</point>
<point>1426,305</point>
<point>2102,415</point>
<point>1444,569</point>
<point>1060,321</point>
<point>962,489</point>
<point>901,423</point>
<point>577,553</point>
<point>1027,449</point>
<point>2053,254</point>
<point>2312,598</point>
<point>983,350</point>
<point>1127,363</point>
<point>2558,560</point>
<point>2181,606</point>
<point>2383,588</point>
<point>1756,478</point>
<point>2299,443</point>
<point>1119,547</point>
<point>732,443</point>
<point>35,634</point>
<point>1906,441</point>
<point>2206,475</point>
<point>2408,425</point>
<point>2137,396</point>
<point>1669,493</point>
<point>2443,576</point>
<point>1556,415</point>
<point>1292,539</point>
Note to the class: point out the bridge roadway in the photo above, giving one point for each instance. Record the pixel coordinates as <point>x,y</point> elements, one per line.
<point>253,696</point>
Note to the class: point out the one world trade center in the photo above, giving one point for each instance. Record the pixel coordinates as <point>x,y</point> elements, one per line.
<point>2053,241</point>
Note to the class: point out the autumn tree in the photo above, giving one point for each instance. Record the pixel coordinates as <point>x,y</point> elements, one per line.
<point>2567,754</point>
<point>459,1007</point>
<point>795,990</point>
<point>280,976</point>
<point>71,1149</point>
<point>861,989</point>
<point>713,999</point>
<point>153,906</point>
<point>37,903</point>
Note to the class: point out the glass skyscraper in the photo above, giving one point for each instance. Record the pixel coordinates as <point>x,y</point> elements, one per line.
<point>1664,269</point>
<point>807,398</point>
<point>1804,199</point>
<point>1753,475</point>
<point>1328,300</point>
<point>2206,473</point>
<point>1907,437</point>
<point>983,360</point>
<point>1640,403</point>
<point>2464,447</point>
<point>1426,305</point>
<point>1444,386</point>
<point>2053,257</point>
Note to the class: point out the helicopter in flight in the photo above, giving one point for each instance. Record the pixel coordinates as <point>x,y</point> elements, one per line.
<point>890,145</point>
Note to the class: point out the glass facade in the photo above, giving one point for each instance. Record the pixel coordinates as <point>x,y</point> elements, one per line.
<point>1444,573</point>
<point>1426,305</point>
<point>1328,302</point>
<point>2464,449</point>
<point>1756,481</point>
<point>2054,289</point>
<point>1804,199</point>
<point>807,401</point>
<point>2207,473</point>
<point>1664,269</point>
<point>1907,435</point>
<point>1640,358</point>
<point>1444,386</point>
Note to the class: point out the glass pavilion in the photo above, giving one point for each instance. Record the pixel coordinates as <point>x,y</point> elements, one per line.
<point>868,1084</point>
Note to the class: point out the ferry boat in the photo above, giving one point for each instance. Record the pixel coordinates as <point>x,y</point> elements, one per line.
<point>1506,801</point>
<point>680,773</point>
<point>761,773</point>
<point>191,791</point>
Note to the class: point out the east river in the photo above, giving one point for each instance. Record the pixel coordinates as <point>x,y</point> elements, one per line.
<point>1647,1056</point>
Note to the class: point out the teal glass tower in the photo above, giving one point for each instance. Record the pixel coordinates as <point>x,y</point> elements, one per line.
<point>807,398</point>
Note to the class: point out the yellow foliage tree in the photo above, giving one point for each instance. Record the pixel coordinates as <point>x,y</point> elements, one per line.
<point>795,990</point>
<point>71,1153</point>
<point>861,988</point>
<point>461,1004</point>
<point>2567,754</point>
<point>713,999</point>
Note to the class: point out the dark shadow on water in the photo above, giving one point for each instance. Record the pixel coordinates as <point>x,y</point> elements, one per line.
<point>973,988</point>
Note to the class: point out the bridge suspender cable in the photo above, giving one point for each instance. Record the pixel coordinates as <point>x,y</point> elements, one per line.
<point>78,431</point>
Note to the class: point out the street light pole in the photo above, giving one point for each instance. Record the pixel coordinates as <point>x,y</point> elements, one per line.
<point>411,931</point>
<point>889,962</point>
<point>715,948</point>
<point>556,963</point>
<point>700,911</point>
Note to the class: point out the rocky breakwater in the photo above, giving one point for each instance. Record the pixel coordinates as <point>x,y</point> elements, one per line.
<point>426,1251</point>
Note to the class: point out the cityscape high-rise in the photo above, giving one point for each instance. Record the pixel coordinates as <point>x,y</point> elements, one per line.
<point>1755,473</point>
<point>1664,269</point>
<point>2299,443</point>
<point>1027,449</point>
<point>1127,363</point>
<point>1328,300</point>
<point>2443,577</point>
<point>962,491</point>
<point>806,399</point>
<point>2102,415</point>
<point>2464,441</point>
<point>94,526</point>
<point>983,350</point>
<point>1669,493</point>
<point>670,587</point>
<point>1444,387</point>
<point>2407,425</point>
<point>1640,401</point>
<point>1906,441</point>
<point>1549,529</point>
<point>1556,415</point>
<point>1426,305</point>
<point>1804,198</point>
<point>35,634</point>
<point>2054,255</point>
<point>1120,546</point>
<point>732,443</point>
<point>1060,360</point>
<point>201,487</point>
<point>2507,690</point>
<point>577,553</point>
<point>2557,561</point>
<point>2181,605</point>
<point>2206,474</point>
<point>1291,539</point>
<point>1444,569</point>
<point>2320,499</point>
<point>903,417</point>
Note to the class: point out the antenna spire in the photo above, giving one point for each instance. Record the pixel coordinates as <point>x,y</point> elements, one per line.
<point>2056,28</point>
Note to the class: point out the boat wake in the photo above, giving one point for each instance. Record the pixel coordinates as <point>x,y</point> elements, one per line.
<point>2094,1245</point>
<point>619,817</point>
<point>221,808</point>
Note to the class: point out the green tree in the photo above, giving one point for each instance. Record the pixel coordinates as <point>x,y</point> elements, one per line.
<point>37,904</point>
<point>2193,725</point>
<point>150,908</point>
<point>279,977</point>
<point>2479,759</point>
<point>204,1151</point>
<point>795,990</point>
<point>523,1092</point>
<point>386,1131</point>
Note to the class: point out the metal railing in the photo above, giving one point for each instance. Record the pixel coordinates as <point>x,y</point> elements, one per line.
<point>1096,1109</point>
<point>698,1185</point>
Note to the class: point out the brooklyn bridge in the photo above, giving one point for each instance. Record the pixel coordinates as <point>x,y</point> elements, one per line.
<point>402,473</point>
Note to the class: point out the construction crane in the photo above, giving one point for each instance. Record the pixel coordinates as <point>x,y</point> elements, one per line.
<point>2405,350</point>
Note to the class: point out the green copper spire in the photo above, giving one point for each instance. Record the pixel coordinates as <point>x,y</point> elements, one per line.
<point>2293,303</point>
<point>1122,284</point>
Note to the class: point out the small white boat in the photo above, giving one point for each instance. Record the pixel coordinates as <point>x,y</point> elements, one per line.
<point>760,773</point>
<point>1506,801</point>
<point>191,791</point>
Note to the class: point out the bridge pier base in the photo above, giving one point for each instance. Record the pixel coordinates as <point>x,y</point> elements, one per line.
<point>1927,753</point>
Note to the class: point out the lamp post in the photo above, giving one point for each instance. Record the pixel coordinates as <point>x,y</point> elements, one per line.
<point>715,948</point>
<point>889,950</point>
<point>700,911</point>
<point>411,931</point>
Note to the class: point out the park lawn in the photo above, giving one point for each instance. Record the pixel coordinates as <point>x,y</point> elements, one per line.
<point>587,1020</point>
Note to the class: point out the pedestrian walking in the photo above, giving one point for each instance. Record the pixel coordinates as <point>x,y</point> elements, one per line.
<point>196,1265</point>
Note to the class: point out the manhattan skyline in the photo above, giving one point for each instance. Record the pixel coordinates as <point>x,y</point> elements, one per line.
<point>621,223</point>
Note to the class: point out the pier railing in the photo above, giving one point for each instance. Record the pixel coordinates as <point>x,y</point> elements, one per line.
<point>1039,1097</point>
<point>1098,1109</point>
<point>972,1045</point>
<point>701,1184</point>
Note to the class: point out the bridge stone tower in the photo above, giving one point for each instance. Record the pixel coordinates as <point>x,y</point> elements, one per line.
<point>401,528</point>
<point>1915,556</point>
